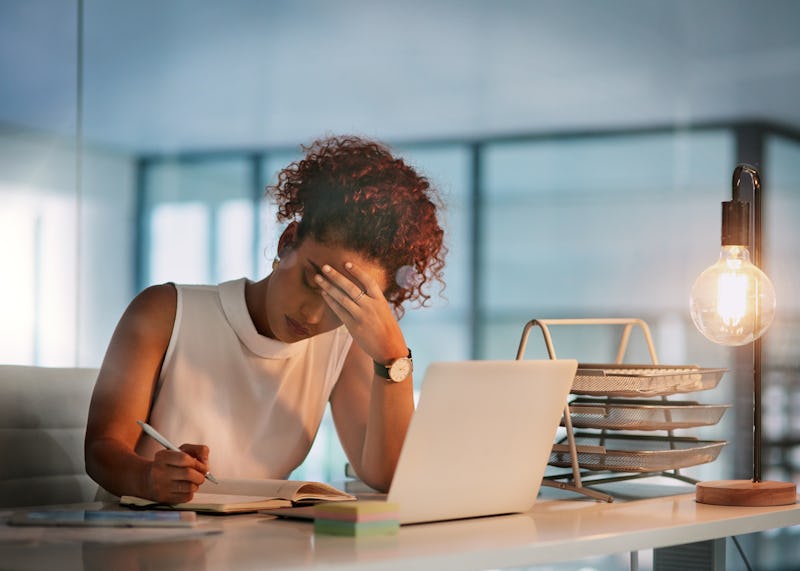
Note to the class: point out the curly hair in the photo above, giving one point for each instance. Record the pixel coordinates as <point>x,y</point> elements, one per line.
<point>351,192</point>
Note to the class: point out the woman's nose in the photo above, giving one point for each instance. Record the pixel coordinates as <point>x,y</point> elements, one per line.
<point>313,310</point>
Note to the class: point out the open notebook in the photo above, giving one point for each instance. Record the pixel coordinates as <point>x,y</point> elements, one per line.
<point>479,441</point>
<point>239,496</point>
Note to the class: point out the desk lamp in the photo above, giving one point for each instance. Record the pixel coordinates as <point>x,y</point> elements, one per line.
<point>733,303</point>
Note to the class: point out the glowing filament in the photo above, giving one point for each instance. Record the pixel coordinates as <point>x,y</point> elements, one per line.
<point>732,290</point>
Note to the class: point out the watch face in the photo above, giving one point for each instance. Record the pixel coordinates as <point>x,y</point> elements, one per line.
<point>400,369</point>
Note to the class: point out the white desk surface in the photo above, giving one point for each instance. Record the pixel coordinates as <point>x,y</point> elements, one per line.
<point>554,530</point>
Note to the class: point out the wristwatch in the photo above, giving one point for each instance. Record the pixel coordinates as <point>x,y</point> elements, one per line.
<point>397,370</point>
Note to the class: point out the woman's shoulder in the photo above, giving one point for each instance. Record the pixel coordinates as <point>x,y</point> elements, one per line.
<point>152,310</point>
<point>160,303</point>
<point>156,298</point>
<point>165,296</point>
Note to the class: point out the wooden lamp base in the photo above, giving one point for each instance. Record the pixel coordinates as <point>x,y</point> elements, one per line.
<point>746,493</point>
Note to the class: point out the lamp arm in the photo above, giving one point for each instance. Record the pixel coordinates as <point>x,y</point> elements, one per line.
<point>755,213</point>
<point>755,241</point>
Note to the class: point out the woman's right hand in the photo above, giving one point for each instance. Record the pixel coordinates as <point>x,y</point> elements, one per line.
<point>174,477</point>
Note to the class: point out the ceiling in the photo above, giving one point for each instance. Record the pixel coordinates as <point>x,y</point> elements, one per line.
<point>173,75</point>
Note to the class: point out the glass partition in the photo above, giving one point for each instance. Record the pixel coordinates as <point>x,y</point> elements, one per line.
<point>42,207</point>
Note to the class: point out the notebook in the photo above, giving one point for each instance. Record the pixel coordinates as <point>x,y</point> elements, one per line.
<point>480,439</point>
<point>240,496</point>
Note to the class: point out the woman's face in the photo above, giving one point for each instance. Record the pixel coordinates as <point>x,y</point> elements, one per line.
<point>295,308</point>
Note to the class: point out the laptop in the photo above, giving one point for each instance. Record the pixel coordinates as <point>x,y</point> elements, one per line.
<point>480,439</point>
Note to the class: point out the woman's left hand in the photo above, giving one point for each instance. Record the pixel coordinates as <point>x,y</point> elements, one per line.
<point>365,312</point>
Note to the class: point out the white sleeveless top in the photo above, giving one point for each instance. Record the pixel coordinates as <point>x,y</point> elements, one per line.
<point>254,401</point>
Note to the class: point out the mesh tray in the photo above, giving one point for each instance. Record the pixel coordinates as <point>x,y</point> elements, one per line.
<point>643,415</point>
<point>643,380</point>
<point>624,453</point>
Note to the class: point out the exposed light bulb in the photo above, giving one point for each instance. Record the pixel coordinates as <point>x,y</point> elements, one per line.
<point>733,302</point>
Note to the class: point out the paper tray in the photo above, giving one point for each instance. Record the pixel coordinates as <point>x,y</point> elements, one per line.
<point>630,453</point>
<point>643,380</point>
<point>629,414</point>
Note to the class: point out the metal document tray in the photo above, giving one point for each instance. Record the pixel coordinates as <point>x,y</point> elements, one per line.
<point>643,380</point>
<point>617,414</point>
<point>630,453</point>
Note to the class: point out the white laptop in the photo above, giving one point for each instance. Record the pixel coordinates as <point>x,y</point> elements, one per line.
<point>479,441</point>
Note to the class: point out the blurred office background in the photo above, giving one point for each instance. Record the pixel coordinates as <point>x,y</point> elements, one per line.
<point>582,148</point>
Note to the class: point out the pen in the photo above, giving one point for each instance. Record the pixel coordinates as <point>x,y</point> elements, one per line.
<point>158,437</point>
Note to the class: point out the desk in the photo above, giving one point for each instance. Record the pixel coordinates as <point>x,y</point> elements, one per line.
<point>554,530</point>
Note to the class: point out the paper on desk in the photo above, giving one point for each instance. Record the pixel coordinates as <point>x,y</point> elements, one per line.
<point>17,535</point>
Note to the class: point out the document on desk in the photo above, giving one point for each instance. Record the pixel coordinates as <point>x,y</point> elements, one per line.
<point>102,518</point>
<point>241,496</point>
<point>35,535</point>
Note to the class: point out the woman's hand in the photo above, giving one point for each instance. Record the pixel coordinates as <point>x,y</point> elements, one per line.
<point>365,312</point>
<point>174,477</point>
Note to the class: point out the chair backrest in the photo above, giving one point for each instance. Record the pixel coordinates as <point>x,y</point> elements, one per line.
<point>43,415</point>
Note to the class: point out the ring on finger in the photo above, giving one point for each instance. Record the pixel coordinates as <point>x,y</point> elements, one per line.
<point>360,295</point>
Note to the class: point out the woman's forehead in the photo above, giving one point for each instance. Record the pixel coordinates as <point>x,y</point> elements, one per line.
<point>318,254</point>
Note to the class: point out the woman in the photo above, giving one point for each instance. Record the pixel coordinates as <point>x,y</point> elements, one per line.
<point>241,372</point>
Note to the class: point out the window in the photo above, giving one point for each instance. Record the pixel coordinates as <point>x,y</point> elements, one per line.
<point>580,227</point>
<point>603,225</point>
<point>199,222</point>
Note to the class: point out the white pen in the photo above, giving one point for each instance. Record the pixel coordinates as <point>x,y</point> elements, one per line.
<point>158,437</point>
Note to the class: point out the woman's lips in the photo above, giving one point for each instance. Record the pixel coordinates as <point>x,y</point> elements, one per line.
<point>296,329</point>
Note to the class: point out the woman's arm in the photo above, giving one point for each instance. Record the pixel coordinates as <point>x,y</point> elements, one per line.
<point>122,395</point>
<point>371,415</point>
